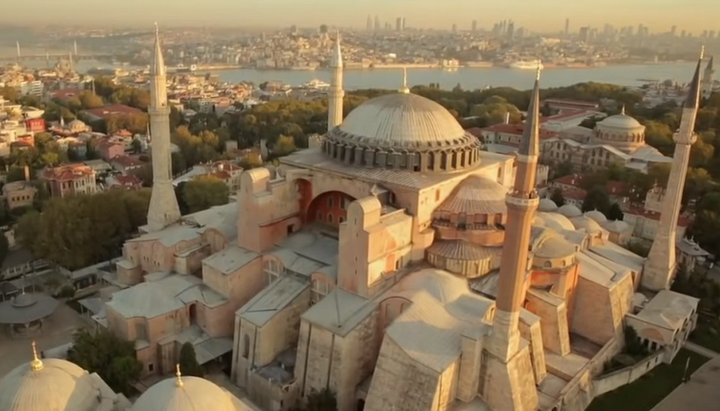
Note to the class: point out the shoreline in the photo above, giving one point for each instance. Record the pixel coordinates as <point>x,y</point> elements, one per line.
<point>425,67</point>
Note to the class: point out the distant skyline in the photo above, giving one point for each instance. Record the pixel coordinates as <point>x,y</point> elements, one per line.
<point>545,16</point>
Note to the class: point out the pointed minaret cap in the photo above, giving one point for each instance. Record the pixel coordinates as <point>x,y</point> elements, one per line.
<point>530,144</point>
<point>693,97</point>
<point>157,66</point>
<point>405,89</point>
<point>336,60</point>
<point>35,364</point>
<point>178,376</point>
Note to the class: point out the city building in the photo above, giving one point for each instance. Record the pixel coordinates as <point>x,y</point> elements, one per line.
<point>70,179</point>
<point>397,264</point>
<point>618,139</point>
<point>19,194</point>
<point>645,221</point>
<point>107,150</point>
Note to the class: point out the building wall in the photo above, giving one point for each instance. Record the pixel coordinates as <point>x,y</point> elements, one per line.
<point>554,319</point>
<point>617,379</point>
<point>240,286</point>
<point>593,317</point>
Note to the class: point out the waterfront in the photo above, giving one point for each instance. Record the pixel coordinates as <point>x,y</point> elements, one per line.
<point>468,78</point>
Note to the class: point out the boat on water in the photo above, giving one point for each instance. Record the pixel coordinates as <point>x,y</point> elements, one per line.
<point>316,84</point>
<point>527,64</point>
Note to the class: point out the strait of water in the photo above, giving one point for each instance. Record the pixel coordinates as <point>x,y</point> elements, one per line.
<point>468,78</point>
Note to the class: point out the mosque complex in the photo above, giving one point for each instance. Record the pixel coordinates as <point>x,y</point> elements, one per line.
<point>393,262</point>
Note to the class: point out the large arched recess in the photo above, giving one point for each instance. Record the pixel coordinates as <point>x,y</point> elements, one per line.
<point>329,208</point>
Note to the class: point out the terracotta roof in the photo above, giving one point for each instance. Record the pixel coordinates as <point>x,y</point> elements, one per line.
<point>112,109</point>
<point>126,161</point>
<point>683,220</point>
<point>128,181</point>
<point>66,93</point>
<point>220,175</point>
<point>517,129</point>
<point>616,188</point>
<point>69,172</point>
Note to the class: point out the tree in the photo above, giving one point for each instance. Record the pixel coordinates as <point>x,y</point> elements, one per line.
<point>615,213</point>
<point>597,199</point>
<point>284,146</point>
<point>111,357</point>
<point>4,247</point>
<point>88,100</point>
<point>10,94</point>
<point>633,345</point>
<point>204,192</point>
<point>188,361</point>
<point>251,160</point>
<point>557,197</point>
<point>136,146</point>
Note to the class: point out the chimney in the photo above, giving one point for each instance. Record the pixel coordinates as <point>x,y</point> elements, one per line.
<point>507,117</point>
<point>27,173</point>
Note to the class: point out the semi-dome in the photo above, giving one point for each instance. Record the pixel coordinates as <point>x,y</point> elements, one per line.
<point>621,121</point>
<point>51,384</point>
<point>587,224</point>
<point>402,131</point>
<point>547,205</point>
<point>569,211</point>
<point>184,394</point>
<point>596,216</point>
<point>475,195</point>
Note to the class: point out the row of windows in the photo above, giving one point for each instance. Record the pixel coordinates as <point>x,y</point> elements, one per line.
<point>329,218</point>
<point>22,198</point>
<point>344,203</point>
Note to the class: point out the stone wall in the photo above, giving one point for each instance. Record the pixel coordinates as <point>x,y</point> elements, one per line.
<point>592,318</point>
<point>617,379</point>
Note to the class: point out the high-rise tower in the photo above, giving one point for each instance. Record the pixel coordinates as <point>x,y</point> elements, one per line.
<point>164,208</point>
<point>660,264</point>
<point>510,384</point>
<point>336,93</point>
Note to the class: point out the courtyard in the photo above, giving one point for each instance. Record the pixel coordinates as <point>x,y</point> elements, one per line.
<point>57,330</point>
<point>645,393</point>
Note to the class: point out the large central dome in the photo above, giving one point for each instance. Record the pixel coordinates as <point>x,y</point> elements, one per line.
<point>402,131</point>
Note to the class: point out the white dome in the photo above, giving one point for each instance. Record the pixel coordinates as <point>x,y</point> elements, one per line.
<point>554,246</point>
<point>402,119</point>
<point>621,121</point>
<point>587,224</point>
<point>616,226</point>
<point>596,216</point>
<point>52,384</point>
<point>569,211</point>
<point>194,394</point>
<point>547,205</point>
<point>555,221</point>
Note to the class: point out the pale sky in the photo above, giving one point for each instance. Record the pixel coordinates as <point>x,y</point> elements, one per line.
<point>539,15</point>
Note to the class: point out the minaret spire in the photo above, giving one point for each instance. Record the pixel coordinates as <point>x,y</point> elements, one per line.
<point>336,93</point>
<point>507,359</point>
<point>661,262</point>
<point>163,209</point>
<point>35,364</point>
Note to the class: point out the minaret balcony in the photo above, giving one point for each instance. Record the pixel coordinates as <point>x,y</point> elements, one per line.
<point>522,200</point>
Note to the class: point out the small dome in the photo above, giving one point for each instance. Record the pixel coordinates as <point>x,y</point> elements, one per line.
<point>616,226</point>
<point>51,384</point>
<point>184,394</point>
<point>569,211</point>
<point>587,224</point>
<point>621,121</point>
<point>596,216</point>
<point>555,221</point>
<point>547,205</point>
<point>554,246</point>
<point>475,195</point>
<point>443,286</point>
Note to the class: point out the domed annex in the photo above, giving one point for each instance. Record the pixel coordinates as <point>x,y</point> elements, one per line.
<point>620,131</point>
<point>402,131</point>
<point>185,394</point>
<point>569,211</point>
<point>587,224</point>
<point>51,384</point>
<point>596,216</point>
<point>547,205</point>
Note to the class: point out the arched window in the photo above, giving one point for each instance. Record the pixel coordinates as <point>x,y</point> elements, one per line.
<point>246,346</point>
<point>319,290</point>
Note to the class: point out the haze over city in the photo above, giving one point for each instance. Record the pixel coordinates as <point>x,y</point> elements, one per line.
<point>548,15</point>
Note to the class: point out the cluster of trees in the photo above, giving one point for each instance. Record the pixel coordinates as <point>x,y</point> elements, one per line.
<point>112,358</point>
<point>79,231</point>
<point>188,362</point>
<point>201,193</point>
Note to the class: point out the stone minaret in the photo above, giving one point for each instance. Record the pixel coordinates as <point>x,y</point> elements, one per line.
<point>164,208</point>
<point>510,384</point>
<point>707,81</point>
<point>660,264</point>
<point>336,93</point>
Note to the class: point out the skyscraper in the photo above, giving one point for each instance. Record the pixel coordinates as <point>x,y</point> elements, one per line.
<point>398,24</point>
<point>660,265</point>
<point>474,26</point>
<point>377,23</point>
<point>454,28</point>
<point>163,209</point>
<point>369,23</point>
<point>567,26</point>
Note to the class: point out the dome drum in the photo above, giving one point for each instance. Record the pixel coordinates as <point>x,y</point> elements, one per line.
<point>463,258</point>
<point>481,234</point>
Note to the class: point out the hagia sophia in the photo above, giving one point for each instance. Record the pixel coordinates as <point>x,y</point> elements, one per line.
<point>393,262</point>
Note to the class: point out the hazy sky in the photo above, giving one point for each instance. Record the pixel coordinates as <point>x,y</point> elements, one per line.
<point>539,15</point>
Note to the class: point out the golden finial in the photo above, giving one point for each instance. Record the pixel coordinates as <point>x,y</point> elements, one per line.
<point>405,89</point>
<point>622,110</point>
<point>35,364</point>
<point>539,69</point>
<point>179,381</point>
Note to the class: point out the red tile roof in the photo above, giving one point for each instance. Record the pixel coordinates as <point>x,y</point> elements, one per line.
<point>126,161</point>
<point>128,181</point>
<point>68,172</point>
<point>112,109</point>
<point>66,93</point>
<point>517,129</point>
